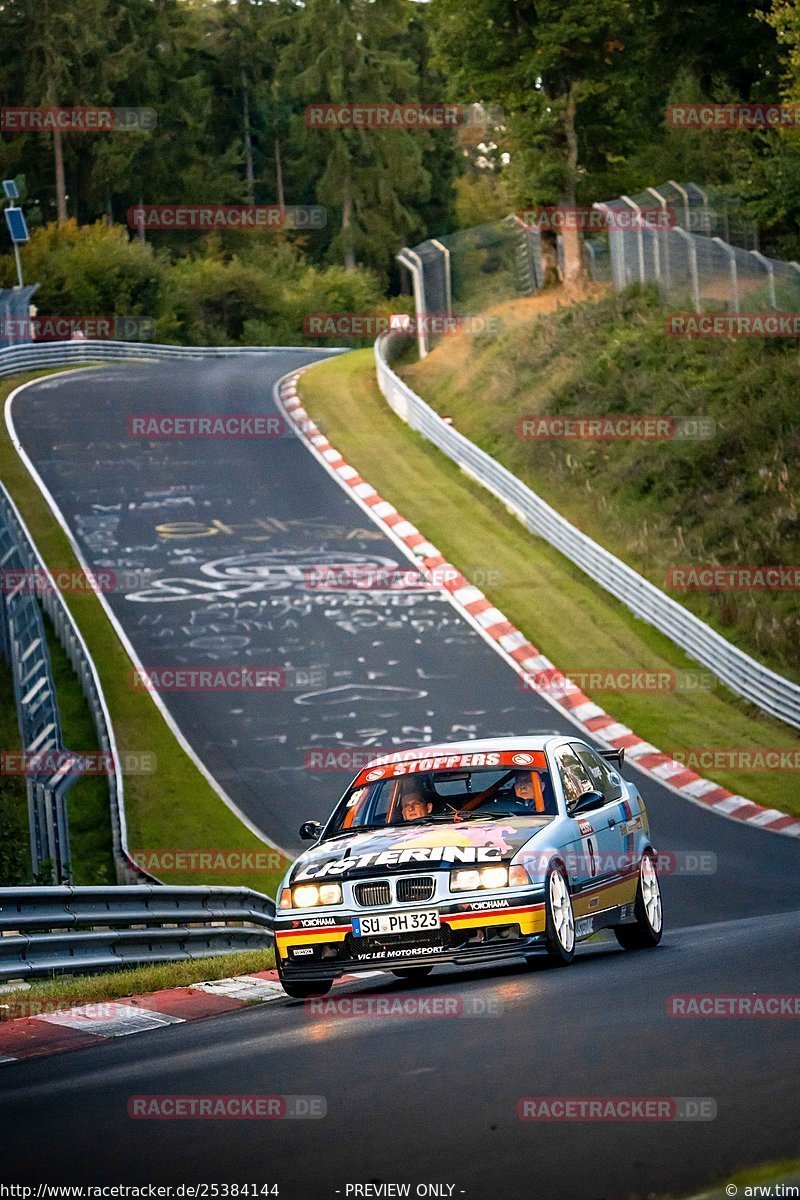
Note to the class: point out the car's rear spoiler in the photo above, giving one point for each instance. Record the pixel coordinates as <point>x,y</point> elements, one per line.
<point>614,756</point>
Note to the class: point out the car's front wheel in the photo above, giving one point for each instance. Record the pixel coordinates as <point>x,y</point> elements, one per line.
<point>412,973</point>
<point>649,925</point>
<point>301,990</point>
<point>559,919</point>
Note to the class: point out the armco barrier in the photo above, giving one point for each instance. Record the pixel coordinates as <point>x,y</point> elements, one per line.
<point>40,728</point>
<point>46,930</point>
<point>29,357</point>
<point>742,674</point>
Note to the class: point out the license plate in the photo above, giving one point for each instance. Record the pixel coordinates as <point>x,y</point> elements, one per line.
<point>401,922</point>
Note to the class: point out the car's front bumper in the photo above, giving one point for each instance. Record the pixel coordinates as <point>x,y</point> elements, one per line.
<point>466,934</point>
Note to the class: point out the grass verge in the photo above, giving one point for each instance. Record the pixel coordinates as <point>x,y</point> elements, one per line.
<point>175,807</point>
<point>45,994</point>
<point>15,859</point>
<point>751,1180</point>
<point>568,617</point>
<point>729,496</point>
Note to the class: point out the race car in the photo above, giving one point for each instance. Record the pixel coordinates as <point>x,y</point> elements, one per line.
<point>469,852</point>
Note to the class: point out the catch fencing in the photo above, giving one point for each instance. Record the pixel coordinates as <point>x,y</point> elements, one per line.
<point>697,248</point>
<point>703,256</point>
<point>14,313</point>
<point>52,930</point>
<point>771,692</point>
<point>466,271</point>
<point>24,645</point>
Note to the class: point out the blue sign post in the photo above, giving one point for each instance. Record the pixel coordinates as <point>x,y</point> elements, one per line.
<point>18,229</point>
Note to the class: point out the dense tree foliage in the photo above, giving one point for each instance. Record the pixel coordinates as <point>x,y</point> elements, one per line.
<point>581,88</point>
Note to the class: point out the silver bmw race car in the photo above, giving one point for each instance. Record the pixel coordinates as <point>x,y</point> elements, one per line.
<point>469,852</point>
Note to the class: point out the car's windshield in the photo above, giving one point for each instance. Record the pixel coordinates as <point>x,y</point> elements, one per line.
<point>446,795</point>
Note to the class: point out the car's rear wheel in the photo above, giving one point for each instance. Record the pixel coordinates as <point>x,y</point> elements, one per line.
<point>559,919</point>
<point>412,973</point>
<point>301,990</point>
<point>649,925</point>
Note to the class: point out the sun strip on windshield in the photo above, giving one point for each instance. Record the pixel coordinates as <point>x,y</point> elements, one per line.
<point>394,766</point>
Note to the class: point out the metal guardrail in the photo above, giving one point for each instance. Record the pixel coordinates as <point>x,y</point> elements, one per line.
<point>29,357</point>
<point>26,649</point>
<point>24,646</point>
<point>52,930</point>
<point>771,692</point>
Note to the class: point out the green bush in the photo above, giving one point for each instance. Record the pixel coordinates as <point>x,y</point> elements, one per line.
<point>94,270</point>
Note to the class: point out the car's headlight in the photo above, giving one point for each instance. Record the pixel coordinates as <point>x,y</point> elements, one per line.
<point>470,880</point>
<point>308,895</point>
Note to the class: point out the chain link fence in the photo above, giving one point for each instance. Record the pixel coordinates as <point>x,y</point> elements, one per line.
<point>14,315</point>
<point>465,272</point>
<point>697,249</point>
<point>23,643</point>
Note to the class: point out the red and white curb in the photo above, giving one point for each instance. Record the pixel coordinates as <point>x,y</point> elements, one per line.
<point>513,645</point>
<point>90,1024</point>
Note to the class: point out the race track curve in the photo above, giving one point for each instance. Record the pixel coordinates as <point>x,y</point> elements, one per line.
<point>220,537</point>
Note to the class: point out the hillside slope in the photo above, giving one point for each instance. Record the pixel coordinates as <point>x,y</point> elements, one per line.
<point>731,498</point>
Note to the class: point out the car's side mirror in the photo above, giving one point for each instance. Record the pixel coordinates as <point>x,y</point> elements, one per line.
<point>589,800</point>
<point>310,831</point>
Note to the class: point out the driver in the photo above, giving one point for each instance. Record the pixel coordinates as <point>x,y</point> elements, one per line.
<point>414,805</point>
<point>528,789</point>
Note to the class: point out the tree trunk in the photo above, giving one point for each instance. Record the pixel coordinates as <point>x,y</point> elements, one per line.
<point>248,141</point>
<point>347,218</point>
<point>61,198</point>
<point>574,271</point>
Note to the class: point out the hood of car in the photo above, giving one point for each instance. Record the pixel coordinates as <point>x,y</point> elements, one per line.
<point>424,847</point>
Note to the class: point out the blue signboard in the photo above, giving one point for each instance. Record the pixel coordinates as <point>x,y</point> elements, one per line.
<point>17,227</point>
<point>11,190</point>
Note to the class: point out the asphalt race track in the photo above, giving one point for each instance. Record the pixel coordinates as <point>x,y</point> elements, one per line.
<point>220,536</point>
